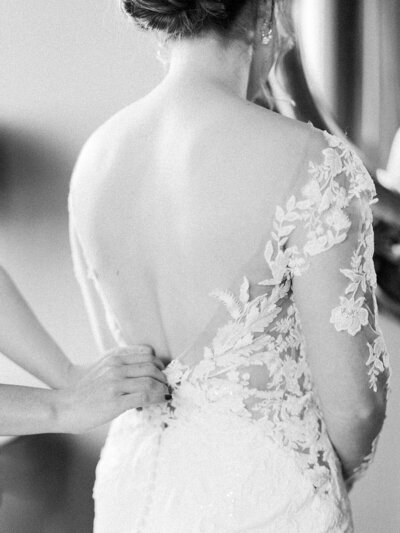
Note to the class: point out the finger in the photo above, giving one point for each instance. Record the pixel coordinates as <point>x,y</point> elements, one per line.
<point>138,400</point>
<point>138,348</point>
<point>130,401</point>
<point>130,359</point>
<point>141,370</point>
<point>141,385</point>
<point>134,358</point>
<point>134,348</point>
<point>155,398</point>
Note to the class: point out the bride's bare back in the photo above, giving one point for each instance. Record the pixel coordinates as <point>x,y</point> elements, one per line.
<point>174,196</point>
<point>238,244</point>
<point>183,194</point>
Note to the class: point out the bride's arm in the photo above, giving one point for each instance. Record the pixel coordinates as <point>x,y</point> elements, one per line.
<point>95,308</point>
<point>345,351</point>
<point>336,300</point>
<point>24,340</point>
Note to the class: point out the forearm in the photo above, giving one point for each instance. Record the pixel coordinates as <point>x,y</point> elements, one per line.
<point>353,437</point>
<point>353,405</point>
<point>28,410</point>
<point>353,412</point>
<point>343,384</point>
<point>24,340</point>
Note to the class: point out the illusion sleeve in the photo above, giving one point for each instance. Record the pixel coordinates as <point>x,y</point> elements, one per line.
<point>333,282</point>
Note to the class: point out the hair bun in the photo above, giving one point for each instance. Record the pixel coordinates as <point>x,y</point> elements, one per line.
<point>177,17</point>
<point>214,8</point>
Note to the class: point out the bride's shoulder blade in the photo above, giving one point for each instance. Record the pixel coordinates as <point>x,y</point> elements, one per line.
<point>97,153</point>
<point>256,127</point>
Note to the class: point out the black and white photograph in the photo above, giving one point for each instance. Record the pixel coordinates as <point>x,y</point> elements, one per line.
<point>200,266</point>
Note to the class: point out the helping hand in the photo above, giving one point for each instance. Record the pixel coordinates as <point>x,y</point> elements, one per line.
<point>125,378</point>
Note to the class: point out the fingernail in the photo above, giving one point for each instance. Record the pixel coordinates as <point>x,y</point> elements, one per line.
<point>167,396</point>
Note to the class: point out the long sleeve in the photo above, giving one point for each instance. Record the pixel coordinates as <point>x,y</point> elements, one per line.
<point>331,248</point>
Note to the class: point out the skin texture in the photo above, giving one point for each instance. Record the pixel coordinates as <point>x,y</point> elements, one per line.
<point>191,156</point>
<point>199,108</point>
<point>84,396</point>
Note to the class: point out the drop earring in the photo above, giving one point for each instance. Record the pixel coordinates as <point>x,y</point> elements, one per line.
<point>162,54</point>
<point>267,25</point>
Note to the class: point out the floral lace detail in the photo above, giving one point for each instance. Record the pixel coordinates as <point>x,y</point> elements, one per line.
<point>256,364</point>
<point>322,211</point>
<point>254,374</point>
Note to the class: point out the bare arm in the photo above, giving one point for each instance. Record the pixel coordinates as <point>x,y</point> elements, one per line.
<point>96,308</point>
<point>84,396</point>
<point>28,410</point>
<point>124,379</point>
<point>24,340</point>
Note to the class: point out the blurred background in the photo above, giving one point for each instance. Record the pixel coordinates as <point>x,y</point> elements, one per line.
<point>65,68</point>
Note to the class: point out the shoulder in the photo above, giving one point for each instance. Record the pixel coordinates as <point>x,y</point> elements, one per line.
<point>294,135</point>
<point>332,167</point>
<point>265,144</point>
<point>333,193</point>
<point>103,146</point>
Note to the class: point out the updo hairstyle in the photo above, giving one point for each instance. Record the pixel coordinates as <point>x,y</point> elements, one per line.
<point>191,18</point>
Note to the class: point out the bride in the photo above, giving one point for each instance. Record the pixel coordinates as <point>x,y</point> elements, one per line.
<point>238,244</point>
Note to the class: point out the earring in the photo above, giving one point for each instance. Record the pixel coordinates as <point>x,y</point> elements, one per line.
<point>267,25</point>
<point>162,54</point>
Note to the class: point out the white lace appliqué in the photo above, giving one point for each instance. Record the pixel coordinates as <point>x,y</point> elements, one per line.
<point>256,364</point>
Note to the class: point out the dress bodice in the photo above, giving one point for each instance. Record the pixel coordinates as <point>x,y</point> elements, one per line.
<point>256,364</point>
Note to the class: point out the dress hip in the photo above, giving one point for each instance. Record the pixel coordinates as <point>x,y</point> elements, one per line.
<point>210,472</point>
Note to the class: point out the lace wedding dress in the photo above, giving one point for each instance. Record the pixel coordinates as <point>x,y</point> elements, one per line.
<point>242,446</point>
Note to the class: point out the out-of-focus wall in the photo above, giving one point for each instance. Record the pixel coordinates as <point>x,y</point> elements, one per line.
<point>65,68</point>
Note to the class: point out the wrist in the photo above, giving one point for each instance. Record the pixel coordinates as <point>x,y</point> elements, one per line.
<point>61,409</point>
<point>63,378</point>
<point>74,374</point>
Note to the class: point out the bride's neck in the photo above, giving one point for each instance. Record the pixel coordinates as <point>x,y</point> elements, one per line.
<point>206,61</point>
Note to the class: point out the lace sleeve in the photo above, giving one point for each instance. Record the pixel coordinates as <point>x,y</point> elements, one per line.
<point>331,247</point>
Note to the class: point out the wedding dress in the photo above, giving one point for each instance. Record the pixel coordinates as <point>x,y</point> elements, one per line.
<point>242,446</point>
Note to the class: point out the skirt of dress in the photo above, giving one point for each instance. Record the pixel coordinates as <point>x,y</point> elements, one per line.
<point>211,472</point>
